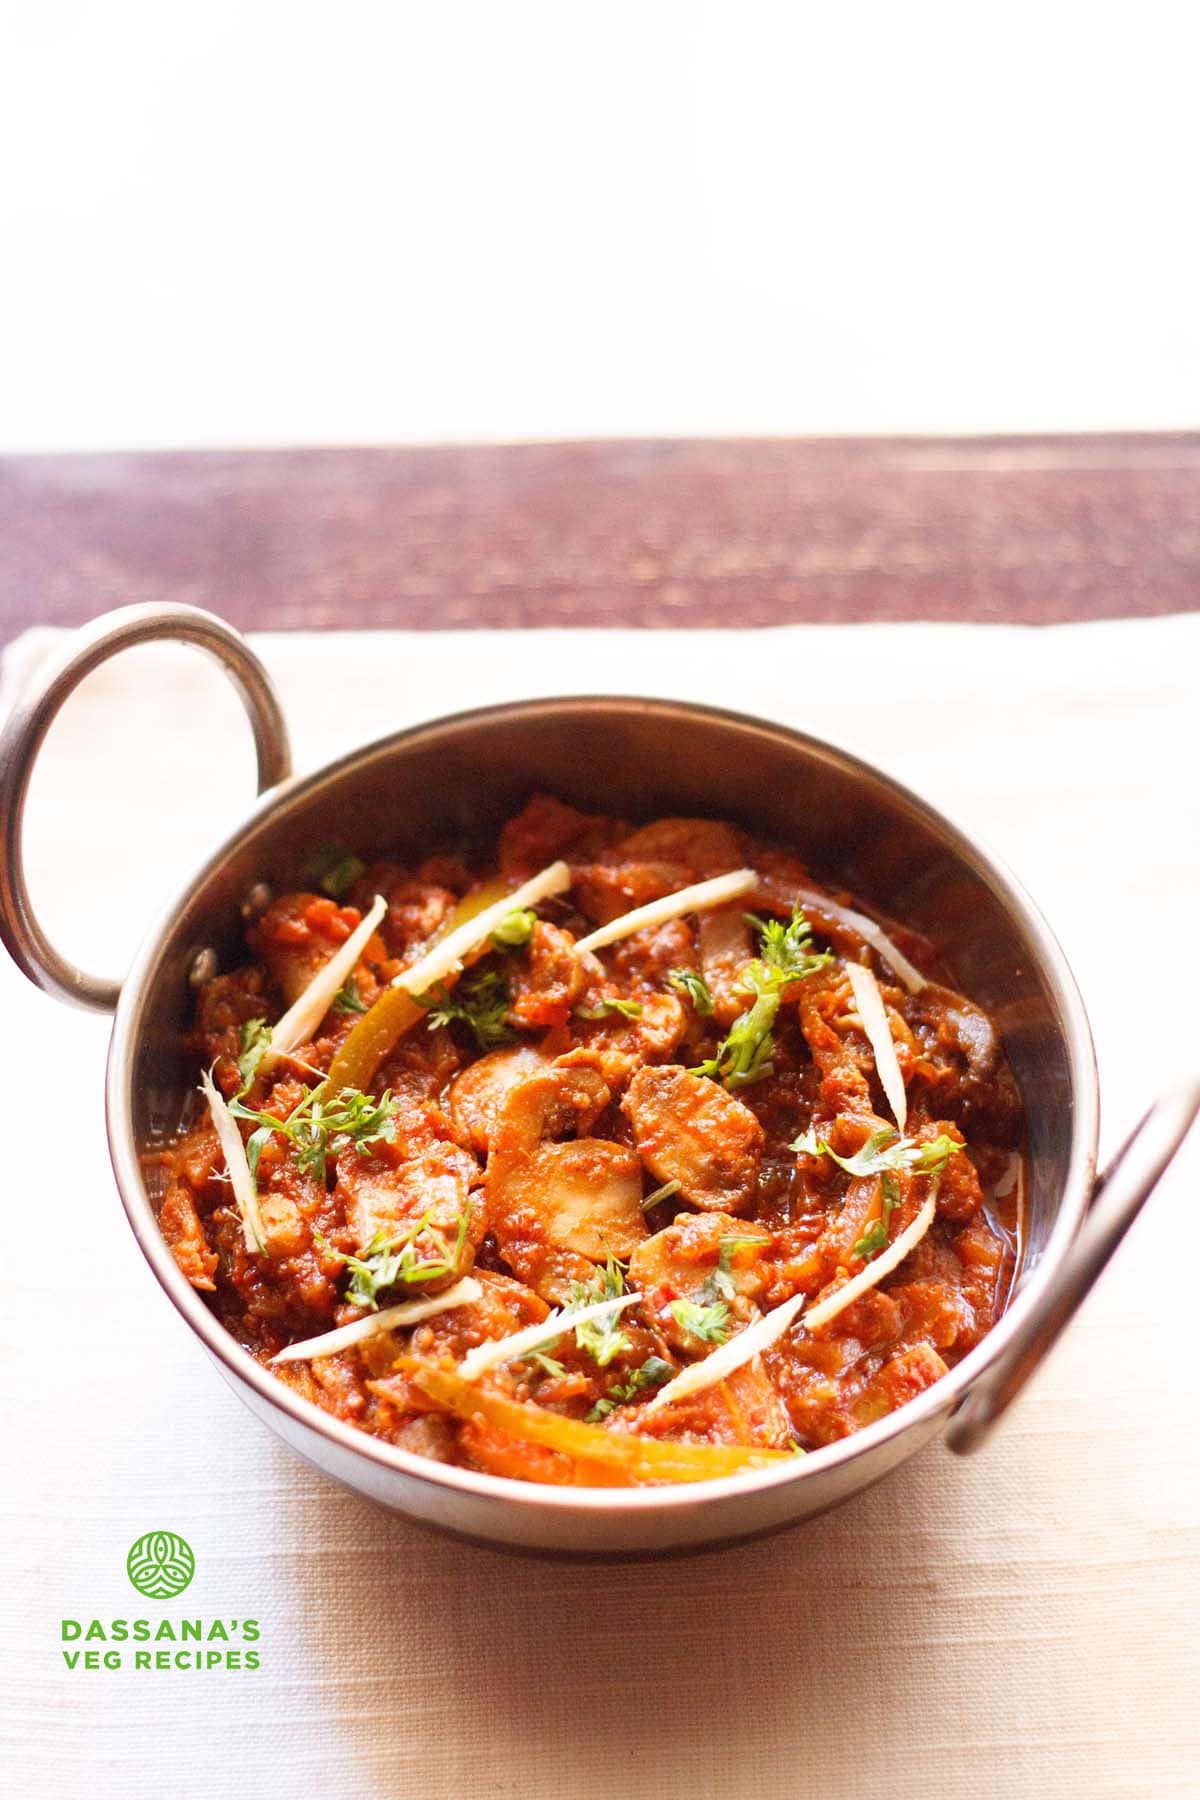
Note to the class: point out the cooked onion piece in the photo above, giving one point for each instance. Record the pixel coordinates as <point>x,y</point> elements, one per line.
<point>447,956</point>
<point>672,906</point>
<point>876,1269</point>
<point>765,1331</point>
<point>240,1178</point>
<point>1011,1185</point>
<point>302,1018</point>
<point>520,1343</point>
<point>731,1355</point>
<point>408,1312</point>
<point>877,937</point>
<point>869,1001</point>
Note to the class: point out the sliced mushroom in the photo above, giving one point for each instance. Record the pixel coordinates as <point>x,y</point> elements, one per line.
<point>479,1092</point>
<point>682,1261</point>
<point>689,1130</point>
<point>725,949</point>
<point>557,1209</point>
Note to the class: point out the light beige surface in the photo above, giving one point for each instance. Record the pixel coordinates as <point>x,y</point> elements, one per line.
<point>1020,1623</point>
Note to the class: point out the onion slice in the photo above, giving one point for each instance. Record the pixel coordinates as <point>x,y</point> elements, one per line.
<point>764,1332</point>
<point>697,898</point>
<point>306,1012</point>
<point>519,1343</point>
<point>869,1001</point>
<point>240,1178</point>
<point>873,934</point>
<point>408,1312</point>
<point>447,955</point>
<point>1011,1182</point>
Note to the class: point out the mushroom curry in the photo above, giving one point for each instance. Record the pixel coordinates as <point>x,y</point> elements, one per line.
<point>609,1155</point>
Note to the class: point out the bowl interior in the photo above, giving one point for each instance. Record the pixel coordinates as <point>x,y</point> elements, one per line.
<point>643,759</point>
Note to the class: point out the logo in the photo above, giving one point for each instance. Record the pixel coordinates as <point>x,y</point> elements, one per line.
<point>160,1565</point>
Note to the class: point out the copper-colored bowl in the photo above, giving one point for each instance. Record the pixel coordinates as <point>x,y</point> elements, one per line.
<point>641,758</point>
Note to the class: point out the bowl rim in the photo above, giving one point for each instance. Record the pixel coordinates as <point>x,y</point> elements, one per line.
<point>941,1398</point>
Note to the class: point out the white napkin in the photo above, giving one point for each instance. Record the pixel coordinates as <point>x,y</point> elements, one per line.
<point>1023,1621</point>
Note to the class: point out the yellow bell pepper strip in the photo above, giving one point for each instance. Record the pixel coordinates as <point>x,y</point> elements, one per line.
<point>395,1012</point>
<point>463,938</point>
<point>381,1026</point>
<point>640,1459</point>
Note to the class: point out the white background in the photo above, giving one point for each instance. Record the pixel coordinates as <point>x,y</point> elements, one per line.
<point>255,221</point>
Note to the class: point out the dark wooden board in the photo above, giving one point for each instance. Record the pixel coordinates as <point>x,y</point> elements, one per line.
<point>613,533</point>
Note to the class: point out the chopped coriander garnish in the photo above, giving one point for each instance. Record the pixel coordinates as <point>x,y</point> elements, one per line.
<point>744,1056</point>
<point>610,1003</point>
<point>254,1040</point>
<point>709,1323</point>
<point>875,1237</point>
<point>335,870</point>
<point>514,930</point>
<point>321,1126</point>
<point>873,1240</point>
<point>661,1193</point>
<point>347,1000</point>
<point>808,1143</point>
<point>388,1261</point>
<point>652,1373</point>
<point>884,1150</point>
<point>481,1003</point>
<point>693,987</point>
<point>602,1338</point>
<point>549,1365</point>
<point>785,949</point>
<point>719,1285</point>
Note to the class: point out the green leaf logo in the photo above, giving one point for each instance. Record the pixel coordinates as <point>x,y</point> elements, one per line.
<point>160,1565</point>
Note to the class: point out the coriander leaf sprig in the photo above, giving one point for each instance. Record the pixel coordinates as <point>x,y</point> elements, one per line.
<point>720,1285</point>
<point>708,1322</point>
<point>321,1126</point>
<point>419,1254</point>
<point>785,950</point>
<point>885,1150</point>
<point>514,930</point>
<point>481,1002</point>
<point>694,988</point>
<point>886,1154</point>
<point>610,1003</point>
<point>347,1000</point>
<point>875,1237</point>
<point>254,1040</point>
<point>652,1373</point>
<point>601,1338</point>
<point>744,1055</point>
